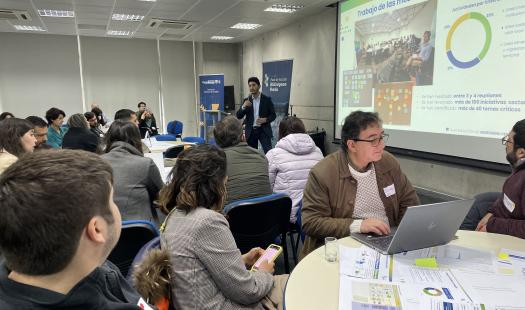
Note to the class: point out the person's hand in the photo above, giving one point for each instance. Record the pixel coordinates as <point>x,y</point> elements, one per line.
<point>375,226</point>
<point>261,120</point>
<point>482,225</point>
<point>143,116</point>
<point>267,266</point>
<point>246,104</point>
<point>252,256</point>
<point>202,108</point>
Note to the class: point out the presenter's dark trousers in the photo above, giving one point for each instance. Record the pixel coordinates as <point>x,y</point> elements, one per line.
<point>257,135</point>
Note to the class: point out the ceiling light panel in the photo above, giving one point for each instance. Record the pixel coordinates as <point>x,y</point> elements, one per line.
<point>284,8</point>
<point>56,13</point>
<point>28,28</point>
<point>221,38</point>
<point>245,26</point>
<point>118,32</point>
<point>127,17</point>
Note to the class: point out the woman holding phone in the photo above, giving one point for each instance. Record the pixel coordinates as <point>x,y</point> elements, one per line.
<point>207,269</point>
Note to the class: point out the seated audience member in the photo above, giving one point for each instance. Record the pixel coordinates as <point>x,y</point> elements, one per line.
<point>57,262</point>
<point>16,139</point>
<point>93,124</point>
<point>101,117</point>
<point>208,270</point>
<point>137,178</point>
<point>507,215</point>
<point>127,115</point>
<point>359,188</point>
<point>480,207</point>
<point>247,168</point>
<point>147,122</point>
<point>40,130</point>
<point>291,160</point>
<point>78,136</point>
<point>55,132</point>
<point>6,115</point>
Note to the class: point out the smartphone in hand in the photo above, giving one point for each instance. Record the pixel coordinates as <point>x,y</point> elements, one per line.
<point>272,252</point>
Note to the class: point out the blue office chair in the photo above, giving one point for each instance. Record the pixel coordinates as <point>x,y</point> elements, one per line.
<point>174,130</point>
<point>152,244</point>
<point>197,140</point>
<point>134,234</point>
<point>257,222</point>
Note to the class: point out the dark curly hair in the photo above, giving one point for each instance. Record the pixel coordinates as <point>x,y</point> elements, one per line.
<point>197,180</point>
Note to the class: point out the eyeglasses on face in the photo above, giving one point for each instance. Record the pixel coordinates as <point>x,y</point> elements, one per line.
<point>376,141</point>
<point>506,140</point>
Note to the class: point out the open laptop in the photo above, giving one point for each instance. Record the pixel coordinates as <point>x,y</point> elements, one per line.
<point>421,227</point>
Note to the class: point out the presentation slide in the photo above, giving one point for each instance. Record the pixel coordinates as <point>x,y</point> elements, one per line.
<point>445,76</point>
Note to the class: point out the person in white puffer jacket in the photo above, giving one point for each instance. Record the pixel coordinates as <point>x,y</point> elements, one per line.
<point>289,163</point>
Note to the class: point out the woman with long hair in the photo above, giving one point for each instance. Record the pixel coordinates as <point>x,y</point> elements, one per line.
<point>78,136</point>
<point>207,269</point>
<point>137,179</point>
<point>16,138</point>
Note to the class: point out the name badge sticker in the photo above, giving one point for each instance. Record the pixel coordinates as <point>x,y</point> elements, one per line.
<point>389,190</point>
<point>509,204</point>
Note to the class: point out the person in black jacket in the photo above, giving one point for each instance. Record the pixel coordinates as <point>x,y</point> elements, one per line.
<point>79,137</point>
<point>147,122</point>
<point>259,112</point>
<point>58,225</point>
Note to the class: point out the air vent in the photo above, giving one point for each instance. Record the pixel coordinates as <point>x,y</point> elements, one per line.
<point>172,36</point>
<point>156,23</point>
<point>14,15</point>
<point>91,27</point>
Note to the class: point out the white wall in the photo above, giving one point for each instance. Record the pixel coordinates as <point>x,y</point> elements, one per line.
<point>178,86</point>
<point>38,72</point>
<point>310,43</point>
<point>120,73</point>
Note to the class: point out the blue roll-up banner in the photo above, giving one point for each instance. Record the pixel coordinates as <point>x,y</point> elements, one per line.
<point>211,96</point>
<point>276,83</point>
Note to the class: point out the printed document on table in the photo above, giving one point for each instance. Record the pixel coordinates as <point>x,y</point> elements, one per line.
<point>355,293</point>
<point>433,304</point>
<point>500,291</point>
<point>453,257</point>
<point>511,263</point>
<point>365,263</point>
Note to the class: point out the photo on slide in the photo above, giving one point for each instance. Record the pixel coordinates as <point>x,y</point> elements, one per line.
<point>398,46</point>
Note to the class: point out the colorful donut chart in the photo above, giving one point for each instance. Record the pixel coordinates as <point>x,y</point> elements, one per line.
<point>488,37</point>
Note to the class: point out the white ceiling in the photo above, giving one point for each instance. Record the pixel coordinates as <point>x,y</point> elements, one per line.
<point>209,17</point>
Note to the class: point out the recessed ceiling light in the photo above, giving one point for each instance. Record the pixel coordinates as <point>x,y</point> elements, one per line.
<point>245,26</point>
<point>221,38</point>
<point>130,17</point>
<point>284,8</point>
<point>29,28</point>
<point>118,32</point>
<point>56,13</point>
<point>147,0</point>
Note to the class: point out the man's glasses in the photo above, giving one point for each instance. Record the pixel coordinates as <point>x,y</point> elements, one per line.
<point>376,141</point>
<point>505,140</point>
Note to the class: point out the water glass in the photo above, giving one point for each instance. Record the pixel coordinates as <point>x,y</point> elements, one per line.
<point>330,249</point>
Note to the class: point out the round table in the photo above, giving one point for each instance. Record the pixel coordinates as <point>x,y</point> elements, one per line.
<point>314,283</point>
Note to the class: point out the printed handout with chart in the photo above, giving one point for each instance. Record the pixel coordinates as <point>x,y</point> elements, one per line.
<point>459,278</point>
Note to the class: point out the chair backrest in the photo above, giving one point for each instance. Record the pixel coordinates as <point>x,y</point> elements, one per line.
<point>197,140</point>
<point>152,244</point>
<point>134,235</point>
<point>256,222</point>
<point>174,151</point>
<point>175,128</point>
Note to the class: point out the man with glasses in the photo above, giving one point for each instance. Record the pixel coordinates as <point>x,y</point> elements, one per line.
<point>507,214</point>
<point>40,128</point>
<point>360,188</point>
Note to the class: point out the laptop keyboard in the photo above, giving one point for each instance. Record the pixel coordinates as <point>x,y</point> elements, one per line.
<point>380,242</point>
